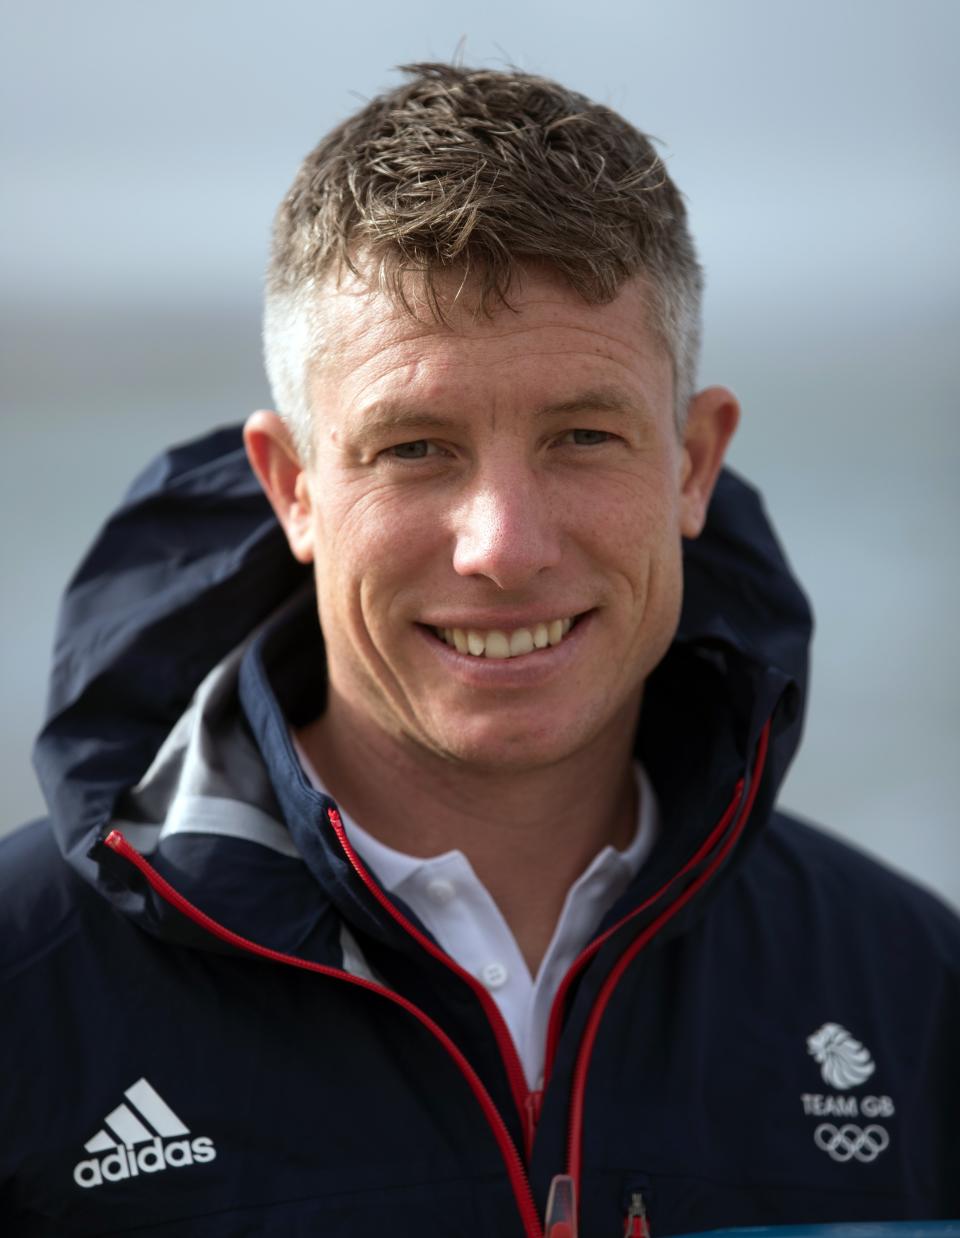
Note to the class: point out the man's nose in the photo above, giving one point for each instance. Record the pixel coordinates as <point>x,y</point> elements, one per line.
<point>507,530</point>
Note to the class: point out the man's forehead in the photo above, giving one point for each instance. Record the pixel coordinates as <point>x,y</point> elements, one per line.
<point>451,304</point>
<point>355,321</point>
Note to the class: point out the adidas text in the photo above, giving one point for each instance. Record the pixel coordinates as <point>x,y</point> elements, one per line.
<point>150,1158</point>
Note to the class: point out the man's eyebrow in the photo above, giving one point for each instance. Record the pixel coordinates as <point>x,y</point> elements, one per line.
<point>385,415</point>
<point>595,399</point>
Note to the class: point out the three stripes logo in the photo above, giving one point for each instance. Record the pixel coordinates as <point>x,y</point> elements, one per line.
<point>141,1136</point>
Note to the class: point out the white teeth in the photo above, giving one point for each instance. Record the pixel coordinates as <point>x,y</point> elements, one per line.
<point>521,641</point>
<point>499,644</point>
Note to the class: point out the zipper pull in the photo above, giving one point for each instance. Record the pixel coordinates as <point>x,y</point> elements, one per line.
<point>561,1218</point>
<point>636,1224</point>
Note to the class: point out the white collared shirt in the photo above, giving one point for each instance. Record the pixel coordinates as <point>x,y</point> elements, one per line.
<point>452,902</point>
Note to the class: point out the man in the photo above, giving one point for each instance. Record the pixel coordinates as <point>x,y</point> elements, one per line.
<point>463,910</point>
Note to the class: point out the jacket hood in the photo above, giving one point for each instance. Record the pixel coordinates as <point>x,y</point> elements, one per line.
<point>173,615</point>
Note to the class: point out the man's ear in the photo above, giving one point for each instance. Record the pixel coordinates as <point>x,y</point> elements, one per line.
<point>274,458</point>
<point>712,417</point>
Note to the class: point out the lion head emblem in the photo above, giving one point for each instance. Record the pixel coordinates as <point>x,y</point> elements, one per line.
<point>844,1062</point>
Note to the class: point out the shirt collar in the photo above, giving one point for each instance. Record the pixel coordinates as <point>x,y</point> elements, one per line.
<point>609,872</point>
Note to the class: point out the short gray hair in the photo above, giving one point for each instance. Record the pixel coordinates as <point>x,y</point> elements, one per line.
<point>478,172</point>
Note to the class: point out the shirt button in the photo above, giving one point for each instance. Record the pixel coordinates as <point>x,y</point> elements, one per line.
<point>494,975</point>
<point>440,891</point>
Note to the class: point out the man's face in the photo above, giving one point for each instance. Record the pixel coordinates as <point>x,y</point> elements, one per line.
<point>507,486</point>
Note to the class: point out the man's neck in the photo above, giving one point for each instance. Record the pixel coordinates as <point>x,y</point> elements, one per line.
<point>527,834</point>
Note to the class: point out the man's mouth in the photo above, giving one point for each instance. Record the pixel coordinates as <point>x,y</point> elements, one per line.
<point>497,643</point>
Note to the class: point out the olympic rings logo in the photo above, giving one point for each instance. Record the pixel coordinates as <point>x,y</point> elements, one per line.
<point>850,1142</point>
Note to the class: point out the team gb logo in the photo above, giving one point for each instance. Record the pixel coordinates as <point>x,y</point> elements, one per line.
<point>844,1062</point>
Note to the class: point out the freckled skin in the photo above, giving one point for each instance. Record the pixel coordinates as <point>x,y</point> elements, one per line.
<point>439,485</point>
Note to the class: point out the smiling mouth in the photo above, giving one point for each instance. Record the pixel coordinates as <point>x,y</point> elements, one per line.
<point>497,643</point>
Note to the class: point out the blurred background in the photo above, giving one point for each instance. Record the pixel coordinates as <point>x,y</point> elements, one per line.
<point>145,149</point>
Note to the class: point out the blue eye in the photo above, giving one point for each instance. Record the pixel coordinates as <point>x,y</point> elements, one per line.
<point>418,449</point>
<point>587,438</point>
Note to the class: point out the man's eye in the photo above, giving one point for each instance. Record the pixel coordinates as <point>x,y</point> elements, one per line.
<point>586,438</point>
<point>416,450</point>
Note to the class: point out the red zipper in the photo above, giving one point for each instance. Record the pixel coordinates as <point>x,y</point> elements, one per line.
<point>532,1110</point>
<point>515,1167</point>
<point>556,1010</point>
<point>578,1090</point>
<point>508,1050</point>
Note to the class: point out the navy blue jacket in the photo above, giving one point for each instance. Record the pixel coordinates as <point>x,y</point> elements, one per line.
<point>215,1022</point>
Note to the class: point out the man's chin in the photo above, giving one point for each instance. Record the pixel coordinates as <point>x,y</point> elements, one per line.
<point>500,746</point>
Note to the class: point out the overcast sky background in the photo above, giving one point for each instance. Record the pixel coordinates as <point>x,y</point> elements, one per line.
<point>147,144</point>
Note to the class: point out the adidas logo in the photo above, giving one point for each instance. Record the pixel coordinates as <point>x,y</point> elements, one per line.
<point>141,1136</point>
